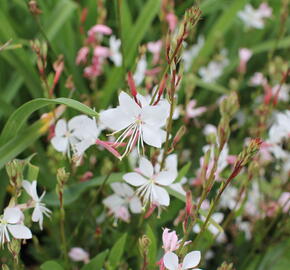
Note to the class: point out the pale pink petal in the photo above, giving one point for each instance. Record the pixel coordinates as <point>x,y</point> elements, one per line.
<point>19,231</point>
<point>191,260</point>
<point>12,215</point>
<point>60,144</point>
<point>135,179</point>
<point>60,128</point>
<point>170,260</point>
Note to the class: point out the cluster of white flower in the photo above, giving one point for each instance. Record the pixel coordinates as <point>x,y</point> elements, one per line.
<point>12,220</point>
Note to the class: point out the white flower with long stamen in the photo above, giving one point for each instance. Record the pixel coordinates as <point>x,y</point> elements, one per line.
<point>123,199</point>
<point>190,261</point>
<point>138,122</point>
<point>39,206</point>
<point>151,186</point>
<point>10,222</point>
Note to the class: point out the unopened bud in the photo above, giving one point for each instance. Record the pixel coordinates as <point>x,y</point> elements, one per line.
<point>229,105</point>
<point>5,267</point>
<point>144,243</point>
<point>33,7</point>
<point>223,131</point>
<point>14,170</point>
<point>14,248</point>
<point>226,266</point>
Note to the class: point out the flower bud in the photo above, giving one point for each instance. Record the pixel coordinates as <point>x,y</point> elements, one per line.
<point>226,266</point>
<point>229,105</point>
<point>5,267</point>
<point>14,248</point>
<point>14,170</point>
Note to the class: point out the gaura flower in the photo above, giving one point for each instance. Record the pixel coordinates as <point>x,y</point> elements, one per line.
<point>123,198</point>
<point>140,122</point>
<point>39,207</point>
<point>115,54</point>
<point>10,222</point>
<point>254,18</point>
<point>139,74</point>
<point>190,261</point>
<point>150,185</point>
<point>244,56</point>
<point>67,133</point>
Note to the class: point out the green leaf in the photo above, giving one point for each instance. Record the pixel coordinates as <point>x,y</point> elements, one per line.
<point>74,191</point>
<point>61,13</point>
<point>144,21</point>
<point>183,172</point>
<point>152,247</point>
<point>117,251</point>
<point>49,265</point>
<point>97,262</point>
<point>175,194</point>
<point>20,142</point>
<point>19,117</point>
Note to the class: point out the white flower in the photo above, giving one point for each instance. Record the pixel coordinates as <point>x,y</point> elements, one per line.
<point>214,69</point>
<point>139,74</point>
<point>281,128</point>
<point>150,185</point>
<point>39,207</point>
<point>115,54</point>
<point>140,122</point>
<point>78,254</point>
<point>253,18</point>
<point>229,198</point>
<point>10,222</point>
<point>121,200</point>
<point>79,129</point>
<point>190,53</point>
<point>190,261</point>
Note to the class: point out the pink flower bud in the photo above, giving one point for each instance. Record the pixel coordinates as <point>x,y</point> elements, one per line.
<point>82,55</point>
<point>265,11</point>
<point>244,55</point>
<point>171,20</point>
<point>170,240</point>
<point>77,254</point>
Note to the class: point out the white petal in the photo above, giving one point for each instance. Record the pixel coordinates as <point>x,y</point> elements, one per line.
<point>135,179</point>
<point>153,136</point>
<point>37,214</point>
<point>20,231</point>
<point>128,105</point>
<point>122,189</point>
<point>160,195</point>
<point>170,260</point>
<point>165,178</point>
<point>12,215</point>
<point>146,167</point>
<point>155,115</point>
<point>135,205</point>
<point>115,119</point>
<point>113,201</point>
<point>82,146</point>
<point>218,217</point>
<point>60,144</point>
<point>27,186</point>
<point>76,122</point>
<point>60,128</point>
<point>191,260</point>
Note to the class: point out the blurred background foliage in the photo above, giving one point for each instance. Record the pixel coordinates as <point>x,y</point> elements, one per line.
<point>136,23</point>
